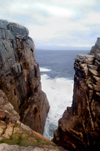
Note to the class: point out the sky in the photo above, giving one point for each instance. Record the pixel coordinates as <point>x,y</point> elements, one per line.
<point>56,24</point>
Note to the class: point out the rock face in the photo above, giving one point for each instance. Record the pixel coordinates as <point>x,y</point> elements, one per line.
<point>15,136</point>
<point>20,76</point>
<point>96,47</point>
<point>79,128</point>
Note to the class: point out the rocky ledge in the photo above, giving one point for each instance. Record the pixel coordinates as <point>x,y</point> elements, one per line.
<point>16,136</point>
<point>79,128</point>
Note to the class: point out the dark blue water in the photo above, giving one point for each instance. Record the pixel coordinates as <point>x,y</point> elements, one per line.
<point>61,62</point>
<point>57,83</point>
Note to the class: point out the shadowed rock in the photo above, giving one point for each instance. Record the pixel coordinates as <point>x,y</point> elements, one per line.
<point>79,127</point>
<point>14,135</point>
<point>20,75</point>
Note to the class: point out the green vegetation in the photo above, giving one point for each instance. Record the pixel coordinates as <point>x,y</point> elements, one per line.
<point>25,140</point>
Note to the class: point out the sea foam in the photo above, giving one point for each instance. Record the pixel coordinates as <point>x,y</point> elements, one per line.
<point>45,70</point>
<point>59,93</point>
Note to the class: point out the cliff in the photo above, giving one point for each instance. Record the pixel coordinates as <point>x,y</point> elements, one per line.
<point>20,75</point>
<point>16,136</point>
<point>79,128</point>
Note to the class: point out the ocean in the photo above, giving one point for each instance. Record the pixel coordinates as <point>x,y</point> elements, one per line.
<point>57,74</point>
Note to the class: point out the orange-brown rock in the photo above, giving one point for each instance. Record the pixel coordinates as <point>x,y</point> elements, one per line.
<point>79,128</point>
<point>14,135</point>
<point>20,75</point>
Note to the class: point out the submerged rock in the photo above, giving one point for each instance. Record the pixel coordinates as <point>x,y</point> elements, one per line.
<point>79,128</point>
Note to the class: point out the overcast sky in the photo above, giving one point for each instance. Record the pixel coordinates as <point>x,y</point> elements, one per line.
<point>53,23</point>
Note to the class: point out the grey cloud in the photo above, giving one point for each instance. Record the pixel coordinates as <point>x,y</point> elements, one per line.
<point>30,12</point>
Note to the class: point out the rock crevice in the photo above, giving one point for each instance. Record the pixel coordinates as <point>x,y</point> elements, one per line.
<point>20,75</point>
<point>79,128</point>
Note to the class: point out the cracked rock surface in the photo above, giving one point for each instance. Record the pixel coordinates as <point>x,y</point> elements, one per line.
<point>79,128</point>
<point>20,77</point>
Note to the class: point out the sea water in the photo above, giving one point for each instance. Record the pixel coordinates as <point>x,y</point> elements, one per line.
<point>57,76</point>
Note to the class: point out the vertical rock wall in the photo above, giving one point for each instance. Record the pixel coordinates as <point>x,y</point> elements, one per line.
<point>79,128</point>
<point>20,75</point>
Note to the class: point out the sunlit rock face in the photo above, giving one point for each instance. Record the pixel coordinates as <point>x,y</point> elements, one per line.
<point>20,75</point>
<point>79,128</point>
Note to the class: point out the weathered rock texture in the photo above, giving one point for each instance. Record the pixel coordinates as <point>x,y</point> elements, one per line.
<point>15,136</point>
<point>20,76</point>
<point>96,47</point>
<point>79,128</point>
<point>6,147</point>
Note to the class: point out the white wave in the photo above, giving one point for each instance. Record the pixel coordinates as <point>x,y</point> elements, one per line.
<point>59,93</point>
<point>45,70</point>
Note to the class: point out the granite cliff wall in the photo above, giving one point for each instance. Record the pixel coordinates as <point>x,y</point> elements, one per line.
<point>79,128</point>
<point>20,75</point>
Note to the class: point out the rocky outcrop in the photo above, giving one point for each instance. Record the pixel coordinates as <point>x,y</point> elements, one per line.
<point>20,76</point>
<point>96,48</point>
<point>16,136</point>
<point>30,148</point>
<point>79,128</point>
